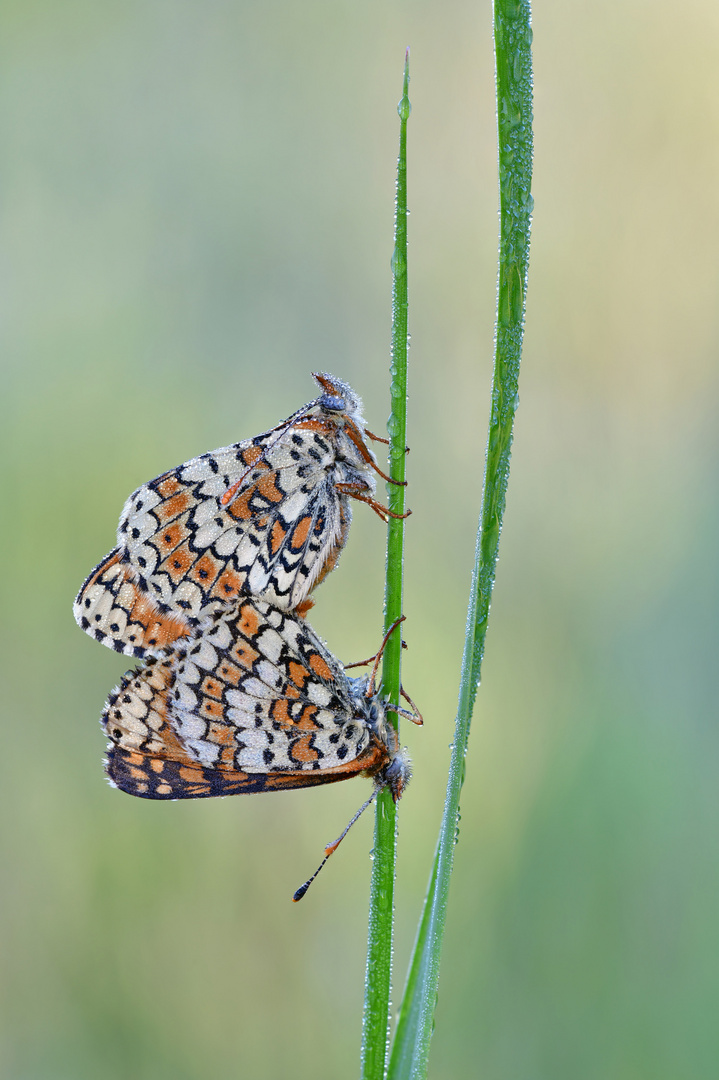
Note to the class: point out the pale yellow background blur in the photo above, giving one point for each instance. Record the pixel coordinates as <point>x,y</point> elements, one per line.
<point>196,207</point>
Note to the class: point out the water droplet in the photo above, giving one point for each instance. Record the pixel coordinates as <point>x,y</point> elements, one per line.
<point>398,263</point>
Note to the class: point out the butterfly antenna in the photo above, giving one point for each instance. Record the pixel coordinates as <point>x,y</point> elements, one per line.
<point>332,848</point>
<point>373,674</point>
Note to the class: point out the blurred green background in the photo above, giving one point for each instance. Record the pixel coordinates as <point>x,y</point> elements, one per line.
<point>196,212</point>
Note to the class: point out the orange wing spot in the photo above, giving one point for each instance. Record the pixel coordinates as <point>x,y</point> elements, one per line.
<point>277,781</point>
<point>249,621</point>
<point>192,774</point>
<point>170,537</point>
<point>163,789</point>
<point>317,423</point>
<point>198,791</point>
<point>157,764</point>
<point>302,751</point>
<point>240,508</point>
<point>212,688</point>
<point>244,654</point>
<point>162,629</point>
<point>306,721</point>
<point>279,712</point>
<point>230,674</point>
<point>178,563</point>
<point>228,585</point>
<point>320,667</point>
<point>169,486</point>
<point>277,536</point>
<point>165,631</point>
<point>298,673</point>
<point>205,570</point>
<point>251,455</point>
<point>226,759</point>
<point>173,507</point>
<point>211,710</point>
<point>267,486</point>
<point>135,759</point>
<point>137,774</point>
<point>291,692</point>
<point>301,532</point>
<point>220,734</point>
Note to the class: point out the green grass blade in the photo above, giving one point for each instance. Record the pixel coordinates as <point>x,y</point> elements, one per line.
<point>375,1028</point>
<point>512,37</point>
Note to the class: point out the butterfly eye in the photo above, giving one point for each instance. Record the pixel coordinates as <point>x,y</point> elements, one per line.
<point>332,403</point>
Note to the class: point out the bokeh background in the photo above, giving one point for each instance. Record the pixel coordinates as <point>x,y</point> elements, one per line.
<point>196,212</point>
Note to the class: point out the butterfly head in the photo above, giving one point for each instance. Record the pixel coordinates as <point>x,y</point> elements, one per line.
<point>338,397</point>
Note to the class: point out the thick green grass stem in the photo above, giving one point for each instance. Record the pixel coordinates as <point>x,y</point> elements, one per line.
<point>513,59</point>
<point>378,984</point>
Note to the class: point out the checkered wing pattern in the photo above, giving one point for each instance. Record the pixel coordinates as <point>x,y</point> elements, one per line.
<point>279,534</point>
<point>258,703</point>
<point>113,609</point>
<point>267,517</point>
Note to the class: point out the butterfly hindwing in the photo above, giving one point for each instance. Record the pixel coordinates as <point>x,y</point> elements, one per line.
<point>113,608</point>
<point>151,777</point>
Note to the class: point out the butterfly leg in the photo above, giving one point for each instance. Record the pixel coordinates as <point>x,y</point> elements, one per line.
<point>369,660</point>
<point>356,436</point>
<point>356,491</point>
<point>380,438</point>
<point>415,716</point>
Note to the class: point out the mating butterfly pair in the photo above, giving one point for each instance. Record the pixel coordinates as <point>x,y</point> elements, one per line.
<point>210,584</point>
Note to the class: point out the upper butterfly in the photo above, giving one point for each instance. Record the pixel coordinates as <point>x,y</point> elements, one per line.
<point>266,517</point>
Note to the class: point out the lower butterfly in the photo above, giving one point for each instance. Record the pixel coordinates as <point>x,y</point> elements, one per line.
<point>257,703</point>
